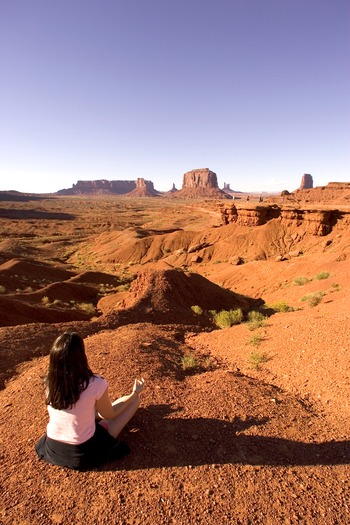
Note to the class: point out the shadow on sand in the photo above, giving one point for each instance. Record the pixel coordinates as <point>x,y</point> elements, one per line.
<point>26,215</point>
<point>157,441</point>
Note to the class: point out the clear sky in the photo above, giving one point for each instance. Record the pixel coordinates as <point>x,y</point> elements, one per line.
<point>255,90</point>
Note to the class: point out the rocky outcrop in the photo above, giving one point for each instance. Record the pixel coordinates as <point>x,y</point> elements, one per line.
<point>248,216</point>
<point>144,188</point>
<point>201,183</point>
<point>312,221</point>
<point>306,182</point>
<point>334,193</point>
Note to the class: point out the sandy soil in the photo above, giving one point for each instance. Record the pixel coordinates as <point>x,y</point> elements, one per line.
<point>220,443</point>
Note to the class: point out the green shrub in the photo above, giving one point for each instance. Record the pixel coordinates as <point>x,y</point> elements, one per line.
<point>255,320</point>
<point>322,275</point>
<point>256,339</point>
<point>227,318</point>
<point>281,306</point>
<point>256,359</point>
<point>300,281</point>
<point>313,299</point>
<point>189,363</point>
<point>197,309</point>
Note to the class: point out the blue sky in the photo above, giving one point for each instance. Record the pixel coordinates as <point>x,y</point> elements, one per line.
<point>255,90</point>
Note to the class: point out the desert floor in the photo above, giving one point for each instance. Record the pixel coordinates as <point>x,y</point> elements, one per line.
<point>256,431</point>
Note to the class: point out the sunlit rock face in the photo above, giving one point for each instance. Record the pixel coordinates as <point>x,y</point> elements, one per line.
<point>306,182</point>
<point>200,178</point>
<point>201,183</point>
<point>144,188</point>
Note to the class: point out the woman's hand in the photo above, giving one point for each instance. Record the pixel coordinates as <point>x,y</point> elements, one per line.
<point>138,385</point>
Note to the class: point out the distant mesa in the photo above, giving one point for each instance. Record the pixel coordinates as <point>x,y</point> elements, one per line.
<point>144,188</point>
<point>198,183</point>
<point>201,183</point>
<point>82,187</point>
<point>306,182</point>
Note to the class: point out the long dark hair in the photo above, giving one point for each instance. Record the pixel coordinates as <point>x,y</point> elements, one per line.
<point>69,373</point>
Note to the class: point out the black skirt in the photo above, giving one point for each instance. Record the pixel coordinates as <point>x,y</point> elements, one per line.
<point>99,449</point>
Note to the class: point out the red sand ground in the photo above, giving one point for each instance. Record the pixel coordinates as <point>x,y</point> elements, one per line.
<point>222,444</point>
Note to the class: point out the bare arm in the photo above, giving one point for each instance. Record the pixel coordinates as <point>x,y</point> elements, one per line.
<point>109,410</point>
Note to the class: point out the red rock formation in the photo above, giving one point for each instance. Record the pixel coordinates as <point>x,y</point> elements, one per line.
<point>144,188</point>
<point>311,221</point>
<point>306,182</point>
<point>201,183</point>
<point>333,193</point>
<point>82,187</point>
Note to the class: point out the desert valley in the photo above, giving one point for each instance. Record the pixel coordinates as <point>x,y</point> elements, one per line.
<point>236,313</point>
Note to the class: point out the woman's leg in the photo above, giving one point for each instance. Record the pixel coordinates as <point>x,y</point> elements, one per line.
<point>116,425</point>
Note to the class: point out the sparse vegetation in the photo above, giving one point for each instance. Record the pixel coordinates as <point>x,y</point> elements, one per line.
<point>189,363</point>
<point>322,275</point>
<point>280,306</point>
<point>313,299</point>
<point>255,320</point>
<point>300,281</point>
<point>197,309</point>
<point>89,308</point>
<point>45,300</point>
<point>2,289</point>
<point>227,318</point>
<point>335,287</point>
<point>123,287</point>
<point>256,359</point>
<point>57,302</point>
<point>256,339</point>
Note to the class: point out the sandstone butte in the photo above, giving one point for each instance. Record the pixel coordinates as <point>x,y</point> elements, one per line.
<point>241,425</point>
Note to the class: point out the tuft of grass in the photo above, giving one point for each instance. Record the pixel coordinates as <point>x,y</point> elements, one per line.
<point>281,306</point>
<point>57,302</point>
<point>335,287</point>
<point>2,289</point>
<point>227,318</point>
<point>322,275</point>
<point>89,308</point>
<point>300,281</point>
<point>45,300</point>
<point>313,299</point>
<point>189,363</point>
<point>256,359</point>
<point>256,320</point>
<point>197,309</point>
<point>256,339</point>
<point>123,287</point>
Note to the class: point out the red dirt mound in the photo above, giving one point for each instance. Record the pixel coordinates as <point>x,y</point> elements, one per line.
<point>65,291</point>
<point>18,272</point>
<point>15,312</point>
<point>95,278</point>
<point>166,296</point>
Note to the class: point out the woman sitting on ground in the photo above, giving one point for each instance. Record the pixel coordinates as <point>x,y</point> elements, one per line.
<point>74,396</point>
